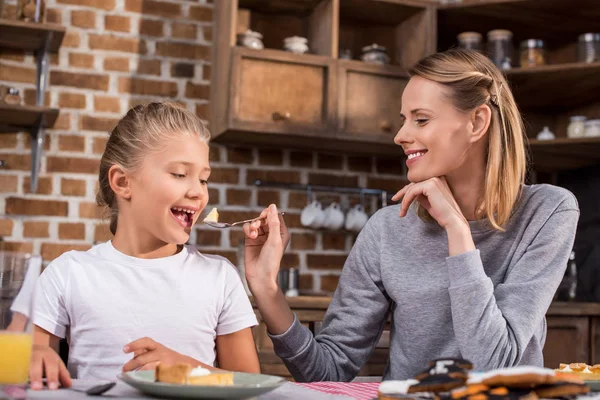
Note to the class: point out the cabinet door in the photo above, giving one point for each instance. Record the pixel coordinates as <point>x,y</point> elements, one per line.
<point>567,341</point>
<point>369,102</point>
<point>281,92</point>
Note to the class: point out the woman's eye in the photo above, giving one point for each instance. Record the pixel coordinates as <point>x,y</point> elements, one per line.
<point>178,175</point>
<point>422,121</point>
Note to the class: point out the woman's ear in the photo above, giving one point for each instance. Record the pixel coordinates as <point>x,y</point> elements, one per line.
<point>119,182</point>
<point>480,122</point>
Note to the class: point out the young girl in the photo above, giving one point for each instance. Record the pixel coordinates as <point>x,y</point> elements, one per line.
<point>145,297</point>
<point>469,271</point>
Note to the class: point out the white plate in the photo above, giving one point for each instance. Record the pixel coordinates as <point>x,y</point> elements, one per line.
<point>244,386</point>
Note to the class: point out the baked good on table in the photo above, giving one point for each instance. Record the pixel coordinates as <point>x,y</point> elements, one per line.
<point>213,216</point>
<point>582,370</point>
<point>185,374</point>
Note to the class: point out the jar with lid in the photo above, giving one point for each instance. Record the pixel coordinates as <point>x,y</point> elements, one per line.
<point>375,54</point>
<point>576,126</point>
<point>470,40</point>
<point>592,128</point>
<point>500,47</point>
<point>588,47</point>
<point>532,53</point>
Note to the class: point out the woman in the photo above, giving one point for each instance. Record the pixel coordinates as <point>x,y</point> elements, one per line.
<point>469,271</point>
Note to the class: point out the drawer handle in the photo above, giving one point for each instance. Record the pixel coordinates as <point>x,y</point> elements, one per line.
<point>277,116</point>
<point>386,126</point>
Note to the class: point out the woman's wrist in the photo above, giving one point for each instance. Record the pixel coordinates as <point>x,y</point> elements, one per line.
<point>460,239</point>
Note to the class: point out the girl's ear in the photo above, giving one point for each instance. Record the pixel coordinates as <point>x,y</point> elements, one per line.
<point>480,122</point>
<point>119,182</point>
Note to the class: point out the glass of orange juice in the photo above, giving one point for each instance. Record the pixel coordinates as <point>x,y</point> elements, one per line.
<point>18,274</point>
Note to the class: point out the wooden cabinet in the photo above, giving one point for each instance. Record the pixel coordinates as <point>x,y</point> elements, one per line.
<point>573,335</point>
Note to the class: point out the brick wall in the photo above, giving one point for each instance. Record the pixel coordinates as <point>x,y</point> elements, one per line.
<point>119,53</point>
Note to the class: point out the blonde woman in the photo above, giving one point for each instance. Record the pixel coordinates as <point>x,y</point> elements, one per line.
<point>467,264</point>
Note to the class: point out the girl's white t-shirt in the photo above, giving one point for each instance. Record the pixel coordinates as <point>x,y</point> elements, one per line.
<point>102,299</point>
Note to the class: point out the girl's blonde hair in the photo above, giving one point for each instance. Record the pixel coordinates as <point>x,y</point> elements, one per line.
<point>144,129</point>
<point>473,80</point>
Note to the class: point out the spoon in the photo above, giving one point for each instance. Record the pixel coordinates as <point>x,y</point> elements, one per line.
<point>229,225</point>
<point>97,390</point>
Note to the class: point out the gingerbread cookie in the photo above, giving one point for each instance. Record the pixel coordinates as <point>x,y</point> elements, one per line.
<point>459,362</point>
<point>441,369</point>
<point>515,377</point>
<point>437,383</point>
<point>563,389</point>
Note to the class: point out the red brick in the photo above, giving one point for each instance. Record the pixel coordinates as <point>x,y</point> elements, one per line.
<point>225,175</point>
<point>83,19</point>
<point>152,7</point>
<point>72,187</point>
<point>237,155</point>
<point>71,231</point>
<point>359,164</point>
<point>301,159</point>
<point>390,165</point>
<point>16,162</point>
<point>71,143</point>
<point>17,247</point>
<point>329,161</point>
<point>199,13</point>
<point>270,157</point>
<point>182,50</point>
<point>99,145</point>
<point>90,210</point>
<point>203,111</point>
<point>334,241</point>
<point>303,241</point>
<point>89,123</point>
<point>8,183</point>
<point>290,260</point>
<point>117,23</point>
<point>102,4</point>
<point>12,55</point>
<point>50,251</point>
<point>44,185</point>
<point>184,31</point>
<point>47,140</point>
<point>116,64</point>
<point>325,261</point>
<point>151,27</point>
<point>391,185</point>
<point>117,43</point>
<point>194,91</point>
<point>54,15</point>
<point>207,33</point>
<point>297,200</point>
<point>208,238</point>
<point>236,237</point>
<point>213,194</point>
<point>79,80</point>
<point>267,197</point>
<point>206,72</point>
<point>102,233</point>
<point>6,227</point>
<point>147,87</point>
<point>329,283</point>
<point>292,220</point>
<point>35,229</point>
<point>230,255</point>
<point>20,206</point>
<point>107,104</point>
<point>333,180</point>
<point>71,40</point>
<point>14,73</point>
<point>71,100</point>
<point>279,175</point>
<point>148,67</point>
<point>305,282</point>
<point>63,122</point>
<point>9,140</point>
<point>182,70</point>
<point>81,60</point>
<point>72,164</point>
<point>30,97</point>
<point>238,197</point>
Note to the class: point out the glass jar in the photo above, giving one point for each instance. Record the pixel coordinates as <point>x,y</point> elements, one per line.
<point>576,126</point>
<point>533,53</point>
<point>588,47</point>
<point>375,54</point>
<point>470,41</point>
<point>592,128</point>
<point>500,47</point>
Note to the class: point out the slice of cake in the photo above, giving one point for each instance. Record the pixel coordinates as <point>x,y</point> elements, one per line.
<point>185,374</point>
<point>582,370</point>
<point>213,216</point>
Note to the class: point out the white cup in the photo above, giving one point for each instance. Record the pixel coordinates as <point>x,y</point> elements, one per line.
<point>312,215</point>
<point>356,218</point>
<point>334,217</point>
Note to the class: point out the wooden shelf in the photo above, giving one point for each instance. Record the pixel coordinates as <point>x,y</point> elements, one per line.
<point>25,117</point>
<point>556,87</point>
<point>29,35</point>
<point>564,153</point>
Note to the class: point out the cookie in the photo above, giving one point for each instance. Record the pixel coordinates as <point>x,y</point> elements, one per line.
<point>459,362</point>
<point>503,393</point>
<point>515,377</point>
<point>564,389</point>
<point>469,390</point>
<point>437,383</point>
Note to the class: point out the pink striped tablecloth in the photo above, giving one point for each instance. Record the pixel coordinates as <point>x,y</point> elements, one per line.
<point>356,390</point>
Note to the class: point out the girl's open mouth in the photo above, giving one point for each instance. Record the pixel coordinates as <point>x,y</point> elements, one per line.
<point>184,217</point>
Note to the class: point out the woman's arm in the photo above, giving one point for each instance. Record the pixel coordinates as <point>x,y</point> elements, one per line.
<point>237,352</point>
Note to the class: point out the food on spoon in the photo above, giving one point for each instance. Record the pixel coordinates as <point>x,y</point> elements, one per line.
<point>213,216</point>
<point>185,374</point>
